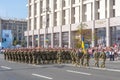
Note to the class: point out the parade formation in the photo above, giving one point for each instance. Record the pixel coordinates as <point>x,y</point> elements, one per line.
<point>77,57</point>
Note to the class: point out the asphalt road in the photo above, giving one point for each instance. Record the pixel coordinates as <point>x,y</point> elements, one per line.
<point>22,71</point>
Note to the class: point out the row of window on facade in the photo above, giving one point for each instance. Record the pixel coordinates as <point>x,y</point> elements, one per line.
<point>66,3</point>
<point>55,6</point>
<point>100,40</point>
<point>14,26</point>
<point>66,16</point>
<point>48,40</point>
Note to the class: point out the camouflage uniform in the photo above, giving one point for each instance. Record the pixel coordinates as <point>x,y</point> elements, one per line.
<point>96,58</point>
<point>38,53</point>
<point>5,54</point>
<point>103,57</point>
<point>73,56</point>
<point>30,58</point>
<point>82,59</point>
<point>34,57</point>
<point>59,56</point>
<point>86,58</point>
<point>77,58</point>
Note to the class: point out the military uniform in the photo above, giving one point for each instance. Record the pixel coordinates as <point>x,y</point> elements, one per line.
<point>86,58</point>
<point>96,58</point>
<point>82,59</point>
<point>38,53</point>
<point>73,56</point>
<point>5,54</point>
<point>103,58</point>
<point>77,58</point>
<point>59,56</point>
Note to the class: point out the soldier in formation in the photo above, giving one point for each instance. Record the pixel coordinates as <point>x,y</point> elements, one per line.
<point>96,57</point>
<point>86,58</point>
<point>103,58</point>
<point>77,57</point>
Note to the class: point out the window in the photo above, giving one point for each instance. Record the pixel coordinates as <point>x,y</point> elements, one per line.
<point>30,1</point>
<point>30,24</point>
<point>41,6</point>
<point>55,19</point>
<point>65,39</point>
<point>63,17</point>
<point>98,15</point>
<point>113,12</point>
<point>47,25</point>
<point>55,4</point>
<point>35,23</point>
<point>98,4</point>
<point>113,2</point>
<point>42,40</point>
<point>73,1</point>
<point>29,11</point>
<point>56,39</point>
<point>73,15</point>
<point>64,2</point>
<point>35,9</point>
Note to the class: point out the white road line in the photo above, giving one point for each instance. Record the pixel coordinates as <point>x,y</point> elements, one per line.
<point>41,76</point>
<point>113,70</point>
<point>78,72</point>
<point>36,65</point>
<point>5,67</point>
<point>107,69</point>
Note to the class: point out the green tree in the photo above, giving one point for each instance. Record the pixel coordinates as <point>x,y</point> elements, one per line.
<point>23,43</point>
<point>15,42</point>
<point>82,31</point>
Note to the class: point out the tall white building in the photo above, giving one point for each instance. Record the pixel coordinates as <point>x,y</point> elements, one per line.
<point>54,22</point>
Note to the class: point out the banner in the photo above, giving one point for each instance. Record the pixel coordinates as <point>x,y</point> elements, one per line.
<point>7,39</point>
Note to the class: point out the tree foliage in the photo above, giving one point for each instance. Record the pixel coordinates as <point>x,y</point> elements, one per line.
<point>82,31</point>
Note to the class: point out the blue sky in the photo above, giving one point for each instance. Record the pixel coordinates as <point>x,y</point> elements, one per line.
<point>13,9</point>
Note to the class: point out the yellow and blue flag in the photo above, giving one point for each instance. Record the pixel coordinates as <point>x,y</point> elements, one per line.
<point>83,45</point>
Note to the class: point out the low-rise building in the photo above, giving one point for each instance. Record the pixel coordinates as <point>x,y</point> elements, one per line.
<point>17,28</point>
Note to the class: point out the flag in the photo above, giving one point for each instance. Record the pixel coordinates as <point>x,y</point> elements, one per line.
<point>83,45</point>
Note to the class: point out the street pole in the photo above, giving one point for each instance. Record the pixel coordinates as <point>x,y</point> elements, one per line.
<point>46,11</point>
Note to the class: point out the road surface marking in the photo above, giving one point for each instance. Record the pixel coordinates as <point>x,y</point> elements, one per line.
<point>113,70</point>
<point>5,67</point>
<point>36,65</point>
<point>41,76</point>
<point>107,69</point>
<point>78,72</point>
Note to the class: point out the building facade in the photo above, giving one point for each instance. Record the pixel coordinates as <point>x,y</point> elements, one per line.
<point>17,28</point>
<point>54,22</point>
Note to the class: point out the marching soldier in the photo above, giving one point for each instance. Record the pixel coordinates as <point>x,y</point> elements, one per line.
<point>19,57</point>
<point>26,56</point>
<point>38,53</point>
<point>54,57</point>
<point>103,57</point>
<point>59,56</point>
<point>87,58</point>
<point>96,57</point>
<point>77,58</point>
<point>34,56</point>
<point>73,56</point>
<point>22,56</point>
<point>5,54</point>
<point>15,55</point>
<point>43,56</point>
<point>82,58</point>
<point>30,58</point>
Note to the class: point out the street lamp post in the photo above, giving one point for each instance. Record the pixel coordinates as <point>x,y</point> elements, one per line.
<point>46,11</point>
